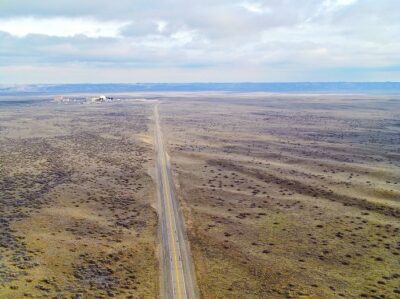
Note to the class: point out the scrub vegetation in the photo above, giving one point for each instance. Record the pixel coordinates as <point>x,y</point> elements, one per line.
<point>289,196</point>
<point>76,202</point>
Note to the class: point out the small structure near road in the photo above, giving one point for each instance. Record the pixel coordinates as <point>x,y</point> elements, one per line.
<point>101,99</point>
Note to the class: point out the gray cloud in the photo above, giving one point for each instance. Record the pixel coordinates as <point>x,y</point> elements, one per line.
<point>275,40</point>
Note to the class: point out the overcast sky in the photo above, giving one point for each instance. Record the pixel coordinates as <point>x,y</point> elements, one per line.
<point>68,41</point>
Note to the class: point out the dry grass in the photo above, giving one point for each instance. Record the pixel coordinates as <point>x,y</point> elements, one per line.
<point>77,200</point>
<point>289,196</point>
<point>284,196</point>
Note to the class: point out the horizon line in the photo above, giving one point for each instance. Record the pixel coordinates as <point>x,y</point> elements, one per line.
<point>200,82</point>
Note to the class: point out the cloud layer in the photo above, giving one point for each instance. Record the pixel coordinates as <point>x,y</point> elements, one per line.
<point>61,26</point>
<point>183,41</point>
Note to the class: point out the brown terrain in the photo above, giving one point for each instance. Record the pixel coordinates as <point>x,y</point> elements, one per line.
<point>76,202</point>
<point>284,196</point>
<point>289,196</point>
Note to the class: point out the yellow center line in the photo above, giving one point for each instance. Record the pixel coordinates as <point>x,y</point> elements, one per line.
<point>168,195</point>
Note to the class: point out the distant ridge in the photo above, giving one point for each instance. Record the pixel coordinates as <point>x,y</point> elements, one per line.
<point>387,87</point>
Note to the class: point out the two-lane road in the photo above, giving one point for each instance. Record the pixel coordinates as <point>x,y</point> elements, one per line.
<point>178,281</point>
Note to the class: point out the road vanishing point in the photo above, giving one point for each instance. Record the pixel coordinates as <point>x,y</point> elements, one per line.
<point>178,279</point>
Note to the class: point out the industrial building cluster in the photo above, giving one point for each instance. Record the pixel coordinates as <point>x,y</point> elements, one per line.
<point>83,100</point>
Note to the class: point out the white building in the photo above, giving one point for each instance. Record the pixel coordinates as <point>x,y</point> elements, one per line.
<point>99,99</point>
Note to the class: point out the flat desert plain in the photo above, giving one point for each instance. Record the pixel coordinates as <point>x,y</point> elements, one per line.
<point>283,195</point>
<point>77,215</point>
<point>289,196</point>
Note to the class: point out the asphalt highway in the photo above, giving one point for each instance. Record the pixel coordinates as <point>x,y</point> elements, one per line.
<point>178,279</point>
